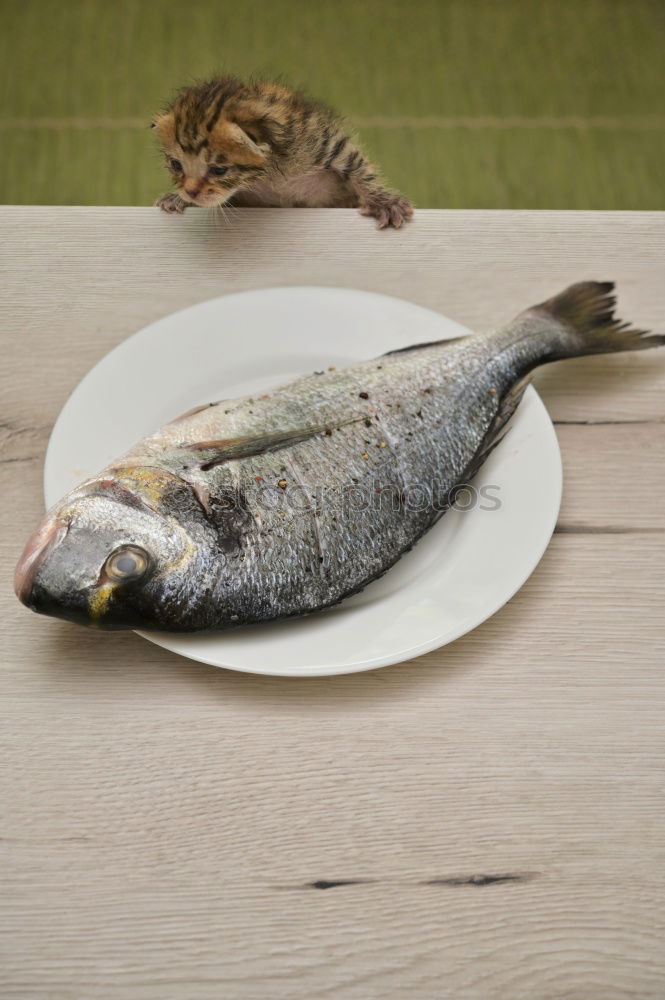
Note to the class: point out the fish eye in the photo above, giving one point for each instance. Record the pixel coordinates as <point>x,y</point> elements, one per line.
<point>176,165</point>
<point>127,563</point>
<point>218,171</point>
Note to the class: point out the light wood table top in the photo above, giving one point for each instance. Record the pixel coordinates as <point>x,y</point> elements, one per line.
<point>486,822</point>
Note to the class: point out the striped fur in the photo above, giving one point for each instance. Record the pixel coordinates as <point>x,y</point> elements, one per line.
<point>259,144</point>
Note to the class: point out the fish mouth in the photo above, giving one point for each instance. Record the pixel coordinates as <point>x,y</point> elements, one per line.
<point>46,539</point>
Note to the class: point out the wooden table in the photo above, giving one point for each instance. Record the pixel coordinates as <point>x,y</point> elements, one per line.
<point>484,823</point>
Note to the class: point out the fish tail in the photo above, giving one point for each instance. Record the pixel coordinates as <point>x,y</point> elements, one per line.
<point>586,324</point>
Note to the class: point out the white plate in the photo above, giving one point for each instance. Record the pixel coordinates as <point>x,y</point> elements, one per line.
<point>459,574</point>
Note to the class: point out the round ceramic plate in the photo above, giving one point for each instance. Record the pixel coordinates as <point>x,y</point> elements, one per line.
<point>459,574</point>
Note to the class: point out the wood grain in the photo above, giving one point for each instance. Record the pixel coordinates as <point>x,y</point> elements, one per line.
<point>482,823</point>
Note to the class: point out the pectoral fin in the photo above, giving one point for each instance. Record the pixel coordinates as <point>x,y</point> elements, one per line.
<point>228,449</point>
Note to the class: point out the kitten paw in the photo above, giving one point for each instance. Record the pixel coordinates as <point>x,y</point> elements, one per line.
<point>171,203</point>
<point>388,210</point>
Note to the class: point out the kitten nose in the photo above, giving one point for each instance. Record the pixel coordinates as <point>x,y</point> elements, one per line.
<point>191,191</point>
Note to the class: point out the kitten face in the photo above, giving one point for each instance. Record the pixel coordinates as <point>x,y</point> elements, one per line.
<point>208,166</point>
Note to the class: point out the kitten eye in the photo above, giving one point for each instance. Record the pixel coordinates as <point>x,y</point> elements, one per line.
<point>218,171</point>
<point>176,165</point>
<point>127,563</point>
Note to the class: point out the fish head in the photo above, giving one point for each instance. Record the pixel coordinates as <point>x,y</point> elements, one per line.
<point>127,550</point>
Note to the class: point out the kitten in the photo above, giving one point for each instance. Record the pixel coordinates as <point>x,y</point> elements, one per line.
<point>259,144</point>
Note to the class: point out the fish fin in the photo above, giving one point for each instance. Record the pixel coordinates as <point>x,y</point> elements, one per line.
<point>586,311</point>
<point>509,403</point>
<point>428,343</point>
<point>481,457</point>
<point>227,449</point>
<point>496,431</point>
<point>489,443</point>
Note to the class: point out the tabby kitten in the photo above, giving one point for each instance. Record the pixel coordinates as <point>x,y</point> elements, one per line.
<point>259,144</point>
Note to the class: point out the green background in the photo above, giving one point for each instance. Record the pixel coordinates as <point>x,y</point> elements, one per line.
<point>463,103</point>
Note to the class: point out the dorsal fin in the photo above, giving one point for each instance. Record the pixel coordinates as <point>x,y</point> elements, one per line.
<point>428,343</point>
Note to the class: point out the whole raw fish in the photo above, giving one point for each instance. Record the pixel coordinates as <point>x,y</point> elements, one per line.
<point>255,509</point>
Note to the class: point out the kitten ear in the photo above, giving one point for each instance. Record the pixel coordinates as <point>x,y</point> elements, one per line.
<point>240,144</point>
<point>164,124</point>
<point>252,132</point>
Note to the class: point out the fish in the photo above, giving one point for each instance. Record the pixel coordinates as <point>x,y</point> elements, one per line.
<point>262,508</point>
